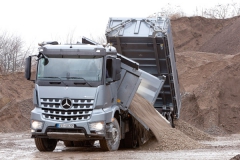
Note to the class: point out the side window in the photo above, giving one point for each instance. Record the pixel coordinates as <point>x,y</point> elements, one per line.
<point>109,68</point>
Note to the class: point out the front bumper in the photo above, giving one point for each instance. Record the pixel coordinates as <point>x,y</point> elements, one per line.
<point>81,130</point>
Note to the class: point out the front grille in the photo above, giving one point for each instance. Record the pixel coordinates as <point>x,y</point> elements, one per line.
<point>81,109</point>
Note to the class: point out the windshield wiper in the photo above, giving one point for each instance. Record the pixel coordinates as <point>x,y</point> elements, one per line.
<point>55,77</point>
<point>85,81</point>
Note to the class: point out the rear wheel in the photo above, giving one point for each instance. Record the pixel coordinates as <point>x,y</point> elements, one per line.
<point>45,144</point>
<point>170,119</point>
<point>131,140</point>
<point>131,137</point>
<point>113,143</point>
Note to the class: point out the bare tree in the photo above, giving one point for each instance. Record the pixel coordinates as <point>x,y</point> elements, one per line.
<point>71,37</point>
<point>173,12</point>
<point>99,39</point>
<point>12,53</point>
<point>222,11</point>
<point>235,9</point>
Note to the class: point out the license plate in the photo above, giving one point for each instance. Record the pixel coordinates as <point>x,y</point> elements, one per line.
<point>64,125</point>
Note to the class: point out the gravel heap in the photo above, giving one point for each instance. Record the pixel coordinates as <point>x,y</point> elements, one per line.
<point>167,138</point>
<point>192,131</point>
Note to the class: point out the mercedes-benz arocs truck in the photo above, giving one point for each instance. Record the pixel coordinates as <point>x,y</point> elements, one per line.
<point>82,94</point>
<point>83,91</point>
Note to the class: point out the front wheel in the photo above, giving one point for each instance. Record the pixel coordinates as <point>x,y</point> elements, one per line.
<point>113,143</point>
<point>45,144</point>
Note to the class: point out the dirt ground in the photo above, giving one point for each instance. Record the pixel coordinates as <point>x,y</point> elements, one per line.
<point>207,55</point>
<point>19,146</point>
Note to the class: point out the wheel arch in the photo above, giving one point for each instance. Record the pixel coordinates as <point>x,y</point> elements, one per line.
<point>116,113</point>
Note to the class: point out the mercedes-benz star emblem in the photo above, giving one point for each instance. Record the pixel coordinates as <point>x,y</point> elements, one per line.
<point>66,103</point>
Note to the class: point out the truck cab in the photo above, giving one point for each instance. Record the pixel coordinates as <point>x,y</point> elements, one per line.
<point>74,96</point>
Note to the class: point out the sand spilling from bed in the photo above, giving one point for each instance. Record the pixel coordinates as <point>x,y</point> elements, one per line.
<point>167,138</point>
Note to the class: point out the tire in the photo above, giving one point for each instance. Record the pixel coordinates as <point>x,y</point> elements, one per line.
<point>68,143</point>
<point>141,136</point>
<point>131,137</point>
<point>45,144</point>
<point>131,140</point>
<point>112,144</point>
<point>170,119</point>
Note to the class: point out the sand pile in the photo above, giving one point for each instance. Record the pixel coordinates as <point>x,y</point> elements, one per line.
<point>167,138</point>
<point>206,35</point>
<point>192,131</point>
<point>194,68</point>
<point>15,116</point>
<point>15,102</point>
<point>15,86</point>
<point>211,99</point>
<point>226,41</point>
<point>192,33</point>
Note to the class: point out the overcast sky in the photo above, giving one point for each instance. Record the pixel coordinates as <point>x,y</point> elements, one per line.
<point>44,20</point>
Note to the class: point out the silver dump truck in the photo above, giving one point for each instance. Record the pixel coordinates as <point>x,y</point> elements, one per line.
<point>83,91</point>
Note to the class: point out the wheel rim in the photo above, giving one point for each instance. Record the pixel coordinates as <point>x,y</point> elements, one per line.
<point>115,136</point>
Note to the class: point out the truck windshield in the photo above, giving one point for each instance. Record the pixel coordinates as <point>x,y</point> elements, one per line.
<point>89,69</point>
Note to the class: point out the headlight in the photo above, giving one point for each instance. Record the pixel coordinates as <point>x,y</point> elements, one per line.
<point>96,126</point>
<point>36,125</point>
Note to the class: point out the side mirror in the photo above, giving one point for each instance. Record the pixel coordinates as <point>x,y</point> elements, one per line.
<point>116,69</point>
<point>28,67</point>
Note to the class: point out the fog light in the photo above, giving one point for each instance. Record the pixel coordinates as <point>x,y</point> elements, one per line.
<point>36,125</point>
<point>96,126</point>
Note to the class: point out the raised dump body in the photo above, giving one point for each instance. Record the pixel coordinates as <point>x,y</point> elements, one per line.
<point>148,41</point>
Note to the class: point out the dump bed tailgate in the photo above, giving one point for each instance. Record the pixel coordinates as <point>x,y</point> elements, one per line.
<point>134,80</point>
